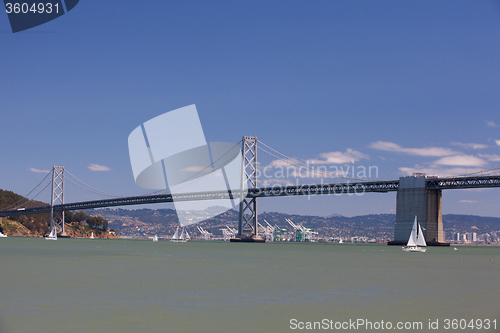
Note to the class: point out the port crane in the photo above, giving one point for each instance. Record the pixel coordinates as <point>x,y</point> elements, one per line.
<point>205,235</point>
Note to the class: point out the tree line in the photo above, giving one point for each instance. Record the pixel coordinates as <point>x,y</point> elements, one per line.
<point>92,221</point>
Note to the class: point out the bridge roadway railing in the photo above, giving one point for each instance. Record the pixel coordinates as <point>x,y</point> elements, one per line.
<point>340,188</point>
<point>316,189</point>
<point>462,182</point>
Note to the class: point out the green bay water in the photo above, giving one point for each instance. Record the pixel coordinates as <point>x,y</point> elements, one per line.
<point>83,285</point>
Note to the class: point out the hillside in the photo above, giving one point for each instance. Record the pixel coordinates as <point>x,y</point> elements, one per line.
<point>36,224</point>
<point>164,221</point>
<point>16,229</point>
<point>381,226</point>
<point>77,224</point>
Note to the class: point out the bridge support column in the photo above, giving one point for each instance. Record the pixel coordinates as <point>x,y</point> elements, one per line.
<point>247,224</point>
<point>57,218</point>
<point>413,198</point>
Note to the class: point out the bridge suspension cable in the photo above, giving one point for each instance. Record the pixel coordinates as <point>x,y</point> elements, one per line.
<point>312,172</point>
<point>26,199</point>
<point>489,172</point>
<point>88,187</point>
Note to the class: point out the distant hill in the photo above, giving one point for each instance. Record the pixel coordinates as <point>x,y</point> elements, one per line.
<point>335,215</point>
<point>379,226</point>
<point>468,223</point>
<point>164,221</point>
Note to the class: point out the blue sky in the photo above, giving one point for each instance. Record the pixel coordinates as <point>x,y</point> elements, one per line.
<point>404,86</point>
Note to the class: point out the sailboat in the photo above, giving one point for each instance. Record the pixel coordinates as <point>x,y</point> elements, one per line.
<point>155,238</point>
<point>416,239</point>
<point>184,236</point>
<point>92,235</point>
<point>52,235</point>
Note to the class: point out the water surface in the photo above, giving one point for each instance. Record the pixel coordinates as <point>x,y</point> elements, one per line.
<point>83,285</point>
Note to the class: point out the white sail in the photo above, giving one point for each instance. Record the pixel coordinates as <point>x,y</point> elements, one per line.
<point>183,237</point>
<point>415,239</point>
<point>412,241</point>
<point>176,235</point>
<point>52,235</point>
<point>420,237</point>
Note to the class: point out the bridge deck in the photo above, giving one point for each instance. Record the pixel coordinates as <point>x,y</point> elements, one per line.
<point>315,189</point>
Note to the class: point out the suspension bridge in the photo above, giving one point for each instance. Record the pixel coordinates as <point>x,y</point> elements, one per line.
<point>273,175</point>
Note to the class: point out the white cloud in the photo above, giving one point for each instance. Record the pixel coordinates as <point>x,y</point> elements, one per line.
<point>97,167</point>
<point>439,171</point>
<point>282,163</point>
<point>497,142</point>
<point>338,157</point>
<point>470,145</point>
<point>428,151</point>
<point>491,124</point>
<point>275,181</point>
<point>39,170</point>
<point>492,158</point>
<point>196,168</point>
<point>461,160</point>
<point>468,201</point>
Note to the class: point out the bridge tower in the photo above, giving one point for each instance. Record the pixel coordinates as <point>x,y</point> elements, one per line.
<point>247,224</point>
<point>57,218</point>
<point>415,199</point>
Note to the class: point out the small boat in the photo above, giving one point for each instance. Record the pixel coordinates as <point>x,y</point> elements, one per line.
<point>155,238</point>
<point>92,235</point>
<point>2,235</point>
<point>454,249</point>
<point>52,235</point>
<point>184,236</point>
<point>416,238</point>
<point>340,241</point>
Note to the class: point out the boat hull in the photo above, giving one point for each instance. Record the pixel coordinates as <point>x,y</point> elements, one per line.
<point>414,249</point>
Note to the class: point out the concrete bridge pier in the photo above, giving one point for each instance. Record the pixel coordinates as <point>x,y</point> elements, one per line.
<point>413,198</point>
